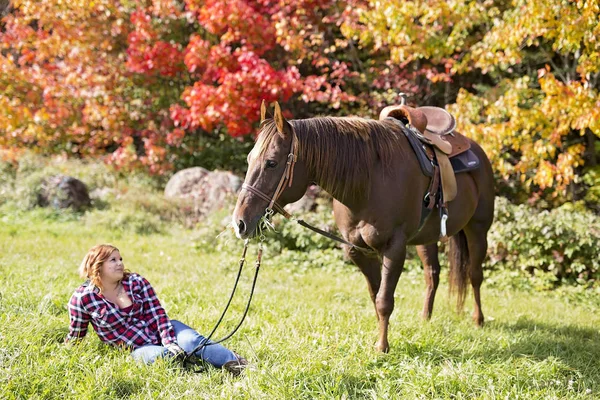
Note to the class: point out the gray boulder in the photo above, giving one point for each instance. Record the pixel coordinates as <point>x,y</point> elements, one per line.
<point>309,202</point>
<point>60,191</point>
<point>208,190</point>
<point>186,182</point>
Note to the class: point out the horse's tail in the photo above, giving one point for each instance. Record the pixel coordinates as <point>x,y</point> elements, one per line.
<point>458,257</point>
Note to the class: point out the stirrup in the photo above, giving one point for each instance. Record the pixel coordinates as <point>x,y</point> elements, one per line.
<point>443,219</point>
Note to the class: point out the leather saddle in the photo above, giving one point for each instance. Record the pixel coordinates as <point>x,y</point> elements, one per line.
<point>435,126</point>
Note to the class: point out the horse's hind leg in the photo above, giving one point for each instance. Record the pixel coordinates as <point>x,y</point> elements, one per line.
<point>476,234</point>
<point>370,266</point>
<point>431,266</point>
<point>393,264</point>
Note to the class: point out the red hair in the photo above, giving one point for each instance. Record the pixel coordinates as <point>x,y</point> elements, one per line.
<point>92,263</point>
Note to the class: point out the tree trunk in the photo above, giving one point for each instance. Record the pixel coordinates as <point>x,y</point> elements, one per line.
<point>4,7</point>
<point>591,159</point>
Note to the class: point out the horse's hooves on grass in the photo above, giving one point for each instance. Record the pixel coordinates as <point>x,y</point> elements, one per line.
<point>383,348</point>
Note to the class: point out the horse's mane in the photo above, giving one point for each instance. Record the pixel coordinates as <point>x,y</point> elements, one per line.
<point>341,151</point>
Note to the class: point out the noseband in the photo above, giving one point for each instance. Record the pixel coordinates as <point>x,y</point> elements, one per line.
<point>288,176</point>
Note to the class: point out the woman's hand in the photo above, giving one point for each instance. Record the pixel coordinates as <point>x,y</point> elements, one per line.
<point>175,350</point>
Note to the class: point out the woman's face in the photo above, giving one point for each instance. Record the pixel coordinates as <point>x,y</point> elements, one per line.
<point>112,269</point>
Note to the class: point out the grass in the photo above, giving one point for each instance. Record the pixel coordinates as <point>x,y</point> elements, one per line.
<point>309,334</point>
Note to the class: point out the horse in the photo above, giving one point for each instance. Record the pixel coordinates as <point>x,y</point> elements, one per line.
<point>372,173</point>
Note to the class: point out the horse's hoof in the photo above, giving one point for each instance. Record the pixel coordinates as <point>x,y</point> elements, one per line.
<point>382,347</point>
<point>478,319</point>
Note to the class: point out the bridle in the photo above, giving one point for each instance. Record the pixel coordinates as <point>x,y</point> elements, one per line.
<point>288,176</point>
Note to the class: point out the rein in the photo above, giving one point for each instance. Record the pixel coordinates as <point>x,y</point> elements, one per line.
<point>187,359</point>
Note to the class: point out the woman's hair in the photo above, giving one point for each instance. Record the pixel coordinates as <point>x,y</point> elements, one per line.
<point>92,262</point>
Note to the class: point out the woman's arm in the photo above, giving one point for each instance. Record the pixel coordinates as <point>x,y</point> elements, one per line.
<point>157,313</point>
<point>79,318</point>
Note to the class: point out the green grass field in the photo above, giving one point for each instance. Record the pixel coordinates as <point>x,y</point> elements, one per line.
<point>309,334</point>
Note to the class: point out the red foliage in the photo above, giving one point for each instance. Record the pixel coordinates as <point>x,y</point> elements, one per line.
<point>146,54</point>
<point>132,81</point>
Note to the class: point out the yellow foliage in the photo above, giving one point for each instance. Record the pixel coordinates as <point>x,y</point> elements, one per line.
<point>529,122</point>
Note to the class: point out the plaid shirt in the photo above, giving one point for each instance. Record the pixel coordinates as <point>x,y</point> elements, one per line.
<point>145,323</point>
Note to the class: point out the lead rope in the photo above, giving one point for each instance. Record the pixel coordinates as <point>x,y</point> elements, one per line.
<point>190,359</point>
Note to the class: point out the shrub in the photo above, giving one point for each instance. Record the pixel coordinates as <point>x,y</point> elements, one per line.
<point>292,236</point>
<point>557,246</point>
<point>215,233</point>
<point>294,247</point>
<point>132,202</point>
<point>592,181</point>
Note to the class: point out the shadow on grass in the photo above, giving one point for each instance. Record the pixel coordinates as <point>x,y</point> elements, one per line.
<point>577,347</point>
<point>576,350</point>
<point>122,388</point>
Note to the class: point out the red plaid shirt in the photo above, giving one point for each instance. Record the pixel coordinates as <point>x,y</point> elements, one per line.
<point>145,323</point>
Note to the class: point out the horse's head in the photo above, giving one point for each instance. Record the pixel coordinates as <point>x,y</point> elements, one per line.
<point>275,176</point>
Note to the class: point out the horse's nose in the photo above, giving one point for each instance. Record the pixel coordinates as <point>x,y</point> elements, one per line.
<point>241,227</point>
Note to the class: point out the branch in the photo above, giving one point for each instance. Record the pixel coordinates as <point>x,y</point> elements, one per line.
<point>594,80</point>
<point>557,69</point>
<point>567,67</point>
<point>5,9</point>
<point>354,55</point>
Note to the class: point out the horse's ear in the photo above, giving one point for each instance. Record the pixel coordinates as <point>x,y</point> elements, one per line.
<point>264,113</point>
<point>283,127</point>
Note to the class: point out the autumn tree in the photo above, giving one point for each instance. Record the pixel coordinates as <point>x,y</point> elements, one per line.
<point>160,84</point>
<point>523,76</point>
<point>143,81</point>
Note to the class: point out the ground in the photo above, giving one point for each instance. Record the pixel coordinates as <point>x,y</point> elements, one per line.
<point>309,333</point>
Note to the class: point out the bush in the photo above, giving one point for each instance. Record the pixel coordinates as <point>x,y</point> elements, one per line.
<point>592,180</point>
<point>292,236</point>
<point>555,246</point>
<point>215,233</point>
<point>290,245</point>
<point>218,151</point>
<point>20,181</point>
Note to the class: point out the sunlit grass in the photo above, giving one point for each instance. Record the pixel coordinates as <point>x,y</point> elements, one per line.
<point>309,333</point>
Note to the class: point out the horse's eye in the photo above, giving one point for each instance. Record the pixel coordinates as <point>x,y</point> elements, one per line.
<point>270,164</point>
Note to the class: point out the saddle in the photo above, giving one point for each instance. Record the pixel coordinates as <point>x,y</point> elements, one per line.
<point>447,152</point>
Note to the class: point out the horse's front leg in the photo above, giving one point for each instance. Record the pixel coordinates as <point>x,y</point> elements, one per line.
<point>393,264</point>
<point>370,266</point>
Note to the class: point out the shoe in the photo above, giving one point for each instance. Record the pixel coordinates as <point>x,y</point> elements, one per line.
<point>235,367</point>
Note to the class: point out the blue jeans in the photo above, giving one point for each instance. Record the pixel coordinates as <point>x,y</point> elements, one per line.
<point>187,339</point>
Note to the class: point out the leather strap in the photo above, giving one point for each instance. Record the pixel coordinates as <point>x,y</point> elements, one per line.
<point>333,237</point>
<point>260,194</point>
<point>288,176</point>
<point>431,195</point>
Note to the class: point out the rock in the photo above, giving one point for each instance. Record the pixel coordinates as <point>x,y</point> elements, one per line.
<point>102,193</point>
<point>208,190</point>
<point>60,191</point>
<point>308,202</point>
<point>186,182</point>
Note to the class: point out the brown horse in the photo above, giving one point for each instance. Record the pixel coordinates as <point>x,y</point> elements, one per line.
<point>371,171</point>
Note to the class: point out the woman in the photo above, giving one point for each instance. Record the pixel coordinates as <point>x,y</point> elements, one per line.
<point>124,311</point>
